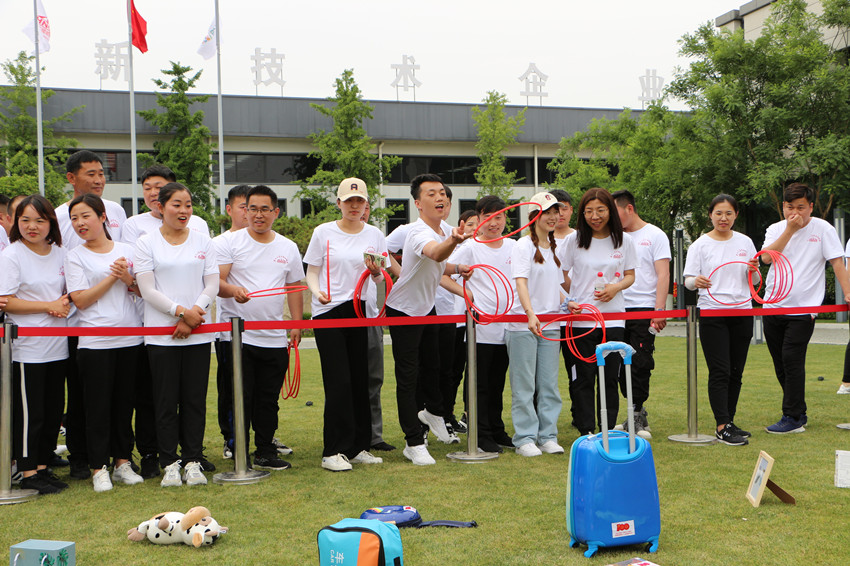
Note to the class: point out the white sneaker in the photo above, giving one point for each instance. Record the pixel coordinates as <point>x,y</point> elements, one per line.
<point>193,475</point>
<point>418,454</point>
<point>528,450</point>
<point>844,389</point>
<point>281,447</point>
<point>227,453</point>
<point>125,474</point>
<point>366,458</point>
<point>551,447</point>
<point>101,480</point>
<point>171,478</point>
<point>438,426</point>
<point>337,463</point>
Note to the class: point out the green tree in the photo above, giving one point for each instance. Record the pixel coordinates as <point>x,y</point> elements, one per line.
<point>187,148</point>
<point>496,132</point>
<point>346,150</point>
<point>18,130</point>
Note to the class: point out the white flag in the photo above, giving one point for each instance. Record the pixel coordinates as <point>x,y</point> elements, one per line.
<point>43,30</point>
<point>207,48</point>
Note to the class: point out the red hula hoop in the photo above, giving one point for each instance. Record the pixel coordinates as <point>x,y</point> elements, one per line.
<point>292,379</point>
<point>358,289</point>
<point>483,222</point>
<point>783,280</point>
<point>487,318</point>
<point>593,314</point>
<point>276,291</point>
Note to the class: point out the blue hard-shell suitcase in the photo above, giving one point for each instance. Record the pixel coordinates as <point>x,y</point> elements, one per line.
<point>612,490</point>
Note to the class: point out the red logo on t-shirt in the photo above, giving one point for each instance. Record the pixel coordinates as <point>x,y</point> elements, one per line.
<point>646,243</point>
<point>130,263</point>
<point>201,255</point>
<point>62,270</point>
<point>741,253</point>
<point>617,254</point>
<point>814,239</point>
<point>281,259</point>
<point>113,224</point>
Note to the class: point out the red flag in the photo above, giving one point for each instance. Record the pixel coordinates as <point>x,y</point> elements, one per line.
<point>139,27</point>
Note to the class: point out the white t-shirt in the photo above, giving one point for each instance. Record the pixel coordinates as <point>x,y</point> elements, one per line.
<point>83,270</point>
<point>444,300</point>
<point>651,245</point>
<point>729,284</point>
<point>224,308</point>
<point>346,261</point>
<point>257,266</point>
<point>584,266</point>
<point>4,239</point>
<point>33,277</point>
<point>179,274</point>
<point>115,219</point>
<point>808,250</point>
<point>141,224</point>
<point>414,292</point>
<point>484,291</point>
<point>544,281</point>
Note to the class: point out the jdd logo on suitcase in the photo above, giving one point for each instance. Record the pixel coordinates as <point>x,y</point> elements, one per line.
<point>622,529</point>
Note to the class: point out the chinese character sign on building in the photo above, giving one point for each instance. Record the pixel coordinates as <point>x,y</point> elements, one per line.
<point>534,80</point>
<point>405,75</point>
<point>268,68</point>
<point>110,59</point>
<point>651,87</point>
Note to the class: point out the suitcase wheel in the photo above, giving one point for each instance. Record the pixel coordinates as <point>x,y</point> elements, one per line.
<point>591,550</point>
<point>652,546</point>
<point>573,542</point>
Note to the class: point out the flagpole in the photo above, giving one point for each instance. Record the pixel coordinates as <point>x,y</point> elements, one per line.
<point>220,113</point>
<point>134,172</point>
<point>40,126</point>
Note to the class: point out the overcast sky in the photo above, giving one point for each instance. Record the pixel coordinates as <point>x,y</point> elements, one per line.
<point>592,51</point>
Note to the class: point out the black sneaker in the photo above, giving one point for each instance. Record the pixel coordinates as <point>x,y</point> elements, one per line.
<point>39,484</point>
<point>58,462</point>
<point>51,478</point>
<point>727,435</point>
<point>206,465</point>
<point>150,466</point>
<point>79,470</point>
<point>740,431</point>
<point>271,463</point>
<point>503,439</point>
<point>457,426</point>
<point>487,444</point>
<point>383,447</point>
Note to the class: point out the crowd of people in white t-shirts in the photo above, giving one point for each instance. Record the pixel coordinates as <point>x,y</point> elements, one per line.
<point>85,264</point>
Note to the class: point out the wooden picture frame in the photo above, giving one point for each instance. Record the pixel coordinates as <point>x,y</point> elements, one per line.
<point>761,475</point>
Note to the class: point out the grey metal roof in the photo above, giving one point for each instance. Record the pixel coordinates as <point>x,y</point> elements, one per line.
<point>107,112</point>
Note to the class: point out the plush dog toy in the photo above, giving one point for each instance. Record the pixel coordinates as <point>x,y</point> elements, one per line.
<point>196,527</point>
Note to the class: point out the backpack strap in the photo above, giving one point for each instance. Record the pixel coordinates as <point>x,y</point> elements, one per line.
<point>454,524</point>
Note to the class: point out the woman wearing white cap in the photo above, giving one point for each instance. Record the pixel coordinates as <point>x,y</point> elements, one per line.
<point>601,260</point>
<point>534,358</point>
<point>335,262</point>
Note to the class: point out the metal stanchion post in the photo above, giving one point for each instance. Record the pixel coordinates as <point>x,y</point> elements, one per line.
<point>680,263</point>
<point>241,474</point>
<point>473,454</point>
<point>7,495</point>
<point>692,436</point>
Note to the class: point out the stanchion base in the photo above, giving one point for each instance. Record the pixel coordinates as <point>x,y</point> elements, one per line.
<point>477,458</point>
<point>12,496</point>
<point>845,426</point>
<point>236,478</point>
<point>700,439</point>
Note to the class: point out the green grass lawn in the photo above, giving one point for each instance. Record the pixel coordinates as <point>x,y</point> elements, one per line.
<point>517,502</point>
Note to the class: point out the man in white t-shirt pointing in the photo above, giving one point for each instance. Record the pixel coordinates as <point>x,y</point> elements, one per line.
<point>649,292</point>
<point>807,243</point>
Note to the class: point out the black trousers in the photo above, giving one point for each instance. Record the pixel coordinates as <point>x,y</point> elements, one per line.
<point>75,418</point>
<point>145,421</point>
<point>492,361</point>
<point>457,372</point>
<point>846,377</point>
<point>263,372</point>
<point>638,337</point>
<point>180,378</point>
<point>583,390</point>
<point>39,396</point>
<point>448,387</point>
<point>569,365</point>
<point>725,342</point>
<point>345,376</point>
<point>787,340</point>
<point>417,359</point>
<point>109,390</point>
<point>224,386</point>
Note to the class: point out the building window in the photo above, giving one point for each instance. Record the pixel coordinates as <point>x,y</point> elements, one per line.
<point>116,165</point>
<point>281,204</point>
<point>400,214</point>
<point>127,205</point>
<point>266,168</point>
<point>465,204</point>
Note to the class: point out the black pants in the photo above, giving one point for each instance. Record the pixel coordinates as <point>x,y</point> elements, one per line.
<point>345,376</point>
<point>145,421</point>
<point>109,388</point>
<point>39,397</point>
<point>180,378</point>
<point>583,390</point>
<point>417,359</point>
<point>725,342</point>
<point>569,365</point>
<point>263,372</point>
<point>492,362</point>
<point>787,340</point>
<point>75,418</point>
<point>448,388</point>
<point>224,386</point>
<point>638,337</point>
<point>846,378</point>
<point>457,372</point>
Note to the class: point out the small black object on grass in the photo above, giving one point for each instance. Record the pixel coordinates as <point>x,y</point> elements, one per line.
<point>820,378</point>
<point>309,403</point>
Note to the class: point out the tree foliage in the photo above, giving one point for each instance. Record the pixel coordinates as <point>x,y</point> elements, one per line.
<point>18,130</point>
<point>496,133</point>
<point>186,147</point>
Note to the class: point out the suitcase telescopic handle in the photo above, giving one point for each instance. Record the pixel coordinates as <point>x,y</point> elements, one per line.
<point>626,351</point>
